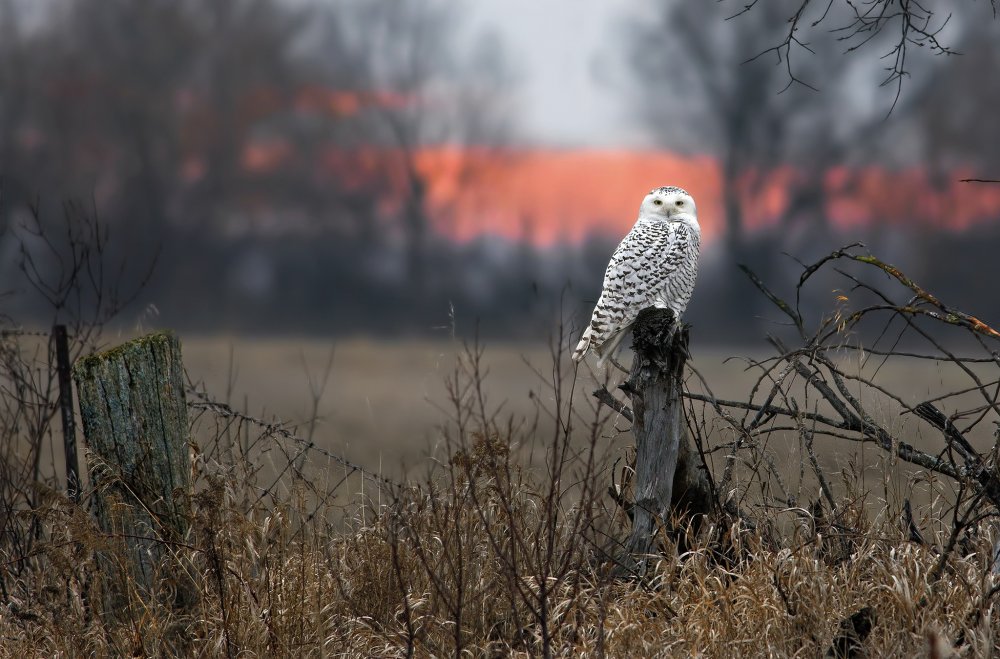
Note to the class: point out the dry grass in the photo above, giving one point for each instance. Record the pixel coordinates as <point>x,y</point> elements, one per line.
<point>488,555</point>
<point>271,584</point>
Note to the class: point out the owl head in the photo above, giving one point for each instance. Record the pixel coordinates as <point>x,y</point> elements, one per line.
<point>669,204</point>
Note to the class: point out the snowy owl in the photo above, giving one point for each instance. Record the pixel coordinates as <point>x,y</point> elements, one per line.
<point>654,266</point>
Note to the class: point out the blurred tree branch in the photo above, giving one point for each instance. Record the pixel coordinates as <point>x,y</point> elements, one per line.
<point>855,25</point>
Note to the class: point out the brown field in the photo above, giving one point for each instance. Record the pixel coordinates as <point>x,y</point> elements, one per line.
<point>385,405</point>
<point>385,402</point>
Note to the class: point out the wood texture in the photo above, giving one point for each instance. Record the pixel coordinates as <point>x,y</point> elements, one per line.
<point>136,428</point>
<point>655,387</point>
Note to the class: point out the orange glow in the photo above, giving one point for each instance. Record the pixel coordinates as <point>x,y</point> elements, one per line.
<point>549,195</point>
<point>558,195</point>
<point>908,197</point>
<point>265,156</point>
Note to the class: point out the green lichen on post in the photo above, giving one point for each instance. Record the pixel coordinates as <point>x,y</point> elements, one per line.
<point>135,425</point>
<point>160,339</point>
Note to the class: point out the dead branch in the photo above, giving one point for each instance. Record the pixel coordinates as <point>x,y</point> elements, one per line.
<point>848,402</point>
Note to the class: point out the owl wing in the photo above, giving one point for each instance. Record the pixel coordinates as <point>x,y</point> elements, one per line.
<point>638,276</point>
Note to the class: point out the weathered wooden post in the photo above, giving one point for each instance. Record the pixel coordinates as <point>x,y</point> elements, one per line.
<point>655,387</point>
<point>63,368</point>
<point>136,429</point>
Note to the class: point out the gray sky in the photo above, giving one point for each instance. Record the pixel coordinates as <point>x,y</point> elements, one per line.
<point>568,65</point>
<point>569,59</point>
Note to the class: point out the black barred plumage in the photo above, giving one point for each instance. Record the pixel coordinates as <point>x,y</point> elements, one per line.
<point>655,265</point>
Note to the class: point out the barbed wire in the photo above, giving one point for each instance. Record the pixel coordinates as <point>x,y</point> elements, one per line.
<point>226,411</point>
<point>21,332</point>
<point>204,402</point>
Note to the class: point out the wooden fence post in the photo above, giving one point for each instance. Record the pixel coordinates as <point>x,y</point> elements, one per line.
<point>656,388</point>
<point>63,368</point>
<point>136,429</point>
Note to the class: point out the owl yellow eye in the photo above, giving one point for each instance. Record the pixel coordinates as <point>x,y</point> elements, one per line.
<point>657,202</point>
<point>679,202</point>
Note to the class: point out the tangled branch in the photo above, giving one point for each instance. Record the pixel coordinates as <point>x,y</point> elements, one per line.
<point>822,381</point>
<point>907,23</point>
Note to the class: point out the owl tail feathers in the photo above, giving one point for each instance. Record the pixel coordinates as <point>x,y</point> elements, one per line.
<point>604,351</point>
<point>607,350</point>
<point>582,346</point>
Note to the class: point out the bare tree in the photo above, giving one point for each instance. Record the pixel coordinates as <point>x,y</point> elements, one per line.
<point>11,72</point>
<point>193,124</point>
<point>897,27</point>
<point>703,89</point>
<point>955,123</point>
<point>724,83</point>
<point>439,97</point>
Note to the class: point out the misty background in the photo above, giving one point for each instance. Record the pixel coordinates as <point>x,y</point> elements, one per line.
<point>410,168</point>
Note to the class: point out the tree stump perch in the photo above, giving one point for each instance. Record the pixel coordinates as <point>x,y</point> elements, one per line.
<point>135,424</point>
<point>666,475</point>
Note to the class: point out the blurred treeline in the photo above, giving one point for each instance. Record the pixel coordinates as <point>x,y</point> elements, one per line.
<point>268,154</point>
